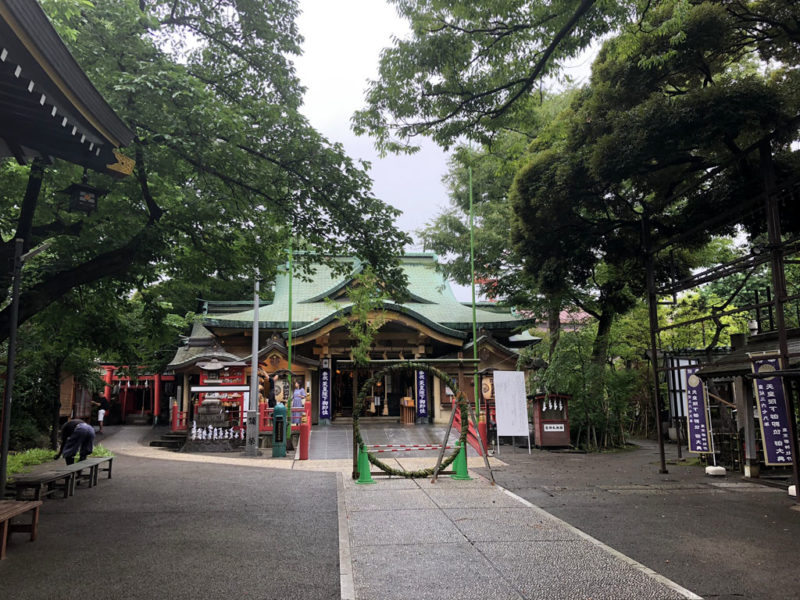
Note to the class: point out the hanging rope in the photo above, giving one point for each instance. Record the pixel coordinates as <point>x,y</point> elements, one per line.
<point>358,409</point>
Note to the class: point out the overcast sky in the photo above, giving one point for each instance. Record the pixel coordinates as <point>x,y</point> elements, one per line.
<point>343,39</point>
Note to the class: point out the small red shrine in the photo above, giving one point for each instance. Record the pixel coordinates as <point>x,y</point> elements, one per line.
<point>551,420</point>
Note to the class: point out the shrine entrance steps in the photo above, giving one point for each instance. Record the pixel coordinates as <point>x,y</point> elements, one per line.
<point>174,440</point>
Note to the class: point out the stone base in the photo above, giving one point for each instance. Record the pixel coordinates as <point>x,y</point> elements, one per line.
<point>213,446</point>
<point>715,471</point>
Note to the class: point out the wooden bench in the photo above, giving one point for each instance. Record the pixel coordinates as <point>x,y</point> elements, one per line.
<point>95,465</point>
<point>44,484</point>
<point>63,479</point>
<point>13,508</point>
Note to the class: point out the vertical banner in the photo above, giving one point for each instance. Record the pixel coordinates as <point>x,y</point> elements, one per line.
<point>697,418</point>
<point>325,393</point>
<point>771,399</point>
<point>422,395</point>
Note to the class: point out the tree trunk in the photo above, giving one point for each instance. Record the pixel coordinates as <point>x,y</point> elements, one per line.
<point>601,340</point>
<point>114,262</point>
<point>56,406</point>
<point>24,223</point>
<point>553,323</point>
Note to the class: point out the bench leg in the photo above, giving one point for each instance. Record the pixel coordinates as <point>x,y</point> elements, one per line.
<point>4,539</point>
<point>35,524</point>
<point>32,527</point>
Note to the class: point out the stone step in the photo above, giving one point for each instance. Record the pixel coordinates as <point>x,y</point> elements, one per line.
<point>167,443</point>
<point>380,419</point>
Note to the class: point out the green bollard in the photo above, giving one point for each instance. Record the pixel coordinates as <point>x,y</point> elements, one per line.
<point>460,464</point>
<point>364,475</point>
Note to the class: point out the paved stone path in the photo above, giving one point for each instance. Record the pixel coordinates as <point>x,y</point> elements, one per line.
<point>468,539</point>
<point>180,526</point>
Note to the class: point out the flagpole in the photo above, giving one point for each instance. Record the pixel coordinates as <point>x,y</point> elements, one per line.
<point>289,347</point>
<point>472,278</point>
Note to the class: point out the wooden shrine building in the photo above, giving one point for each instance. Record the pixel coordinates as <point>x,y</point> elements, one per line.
<point>432,325</point>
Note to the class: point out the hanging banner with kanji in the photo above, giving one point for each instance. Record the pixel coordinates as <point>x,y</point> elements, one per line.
<point>697,416</point>
<point>422,394</point>
<point>771,399</point>
<point>324,393</point>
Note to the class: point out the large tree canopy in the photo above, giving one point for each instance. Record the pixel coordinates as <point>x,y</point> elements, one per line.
<point>469,67</point>
<point>680,92</point>
<point>227,169</point>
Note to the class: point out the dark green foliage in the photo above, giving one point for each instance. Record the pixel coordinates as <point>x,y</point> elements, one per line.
<point>227,169</point>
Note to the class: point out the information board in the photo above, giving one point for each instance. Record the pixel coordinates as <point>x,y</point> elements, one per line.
<point>771,398</point>
<point>511,403</point>
<point>697,415</point>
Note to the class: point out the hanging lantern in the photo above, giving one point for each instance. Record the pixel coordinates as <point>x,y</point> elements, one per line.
<point>82,196</point>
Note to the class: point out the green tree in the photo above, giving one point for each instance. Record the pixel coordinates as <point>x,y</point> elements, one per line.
<point>365,316</point>
<point>226,166</point>
<point>470,67</point>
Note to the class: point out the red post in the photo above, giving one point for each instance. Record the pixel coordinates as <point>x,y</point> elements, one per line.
<point>156,396</point>
<point>108,378</point>
<point>175,417</point>
<point>483,430</point>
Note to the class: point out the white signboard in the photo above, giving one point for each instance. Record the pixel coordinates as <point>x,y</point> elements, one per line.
<point>512,405</point>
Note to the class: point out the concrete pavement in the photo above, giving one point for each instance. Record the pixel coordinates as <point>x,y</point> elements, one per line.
<point>165,528</point>
<point>188,526</point>
<point>411,539</point>
<point>723,538</point>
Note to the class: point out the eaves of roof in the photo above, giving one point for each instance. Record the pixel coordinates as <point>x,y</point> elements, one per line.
<point>49,105</point>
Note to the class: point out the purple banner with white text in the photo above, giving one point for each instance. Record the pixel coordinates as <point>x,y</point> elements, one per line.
<point>771,399</point>
<point>697,417</point>
<point>422,394</point>
<point>324,393</point>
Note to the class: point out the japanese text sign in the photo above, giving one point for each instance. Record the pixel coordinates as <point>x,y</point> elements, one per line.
<point>772,413</point>
<point>697,416</point>
<point>422,394</point>
<point>324,393</point>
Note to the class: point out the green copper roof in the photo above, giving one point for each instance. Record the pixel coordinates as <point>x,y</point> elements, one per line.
<point>432,302</point>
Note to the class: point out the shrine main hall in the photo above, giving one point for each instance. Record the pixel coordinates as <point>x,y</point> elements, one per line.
<point>431,325</point>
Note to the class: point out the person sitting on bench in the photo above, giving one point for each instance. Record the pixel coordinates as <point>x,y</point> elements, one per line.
<point>77,437</point>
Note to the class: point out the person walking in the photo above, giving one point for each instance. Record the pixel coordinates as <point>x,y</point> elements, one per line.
<point>77,437</point>
<point>298,401</point>
<point>102,404</point>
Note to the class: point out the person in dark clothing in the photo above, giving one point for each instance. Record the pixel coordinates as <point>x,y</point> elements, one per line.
<point>103,406</point>
<point>77,437</point>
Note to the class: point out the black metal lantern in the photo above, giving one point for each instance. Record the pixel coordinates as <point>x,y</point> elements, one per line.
<point>82,196</point>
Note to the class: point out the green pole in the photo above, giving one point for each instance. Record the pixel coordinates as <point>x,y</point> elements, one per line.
<point>289,348</point>
<point>474,314</point>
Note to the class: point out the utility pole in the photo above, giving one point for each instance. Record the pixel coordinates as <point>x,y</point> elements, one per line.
<point>252,408</point>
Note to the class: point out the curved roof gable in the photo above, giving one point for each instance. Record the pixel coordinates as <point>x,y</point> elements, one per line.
<point>431,302</point>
